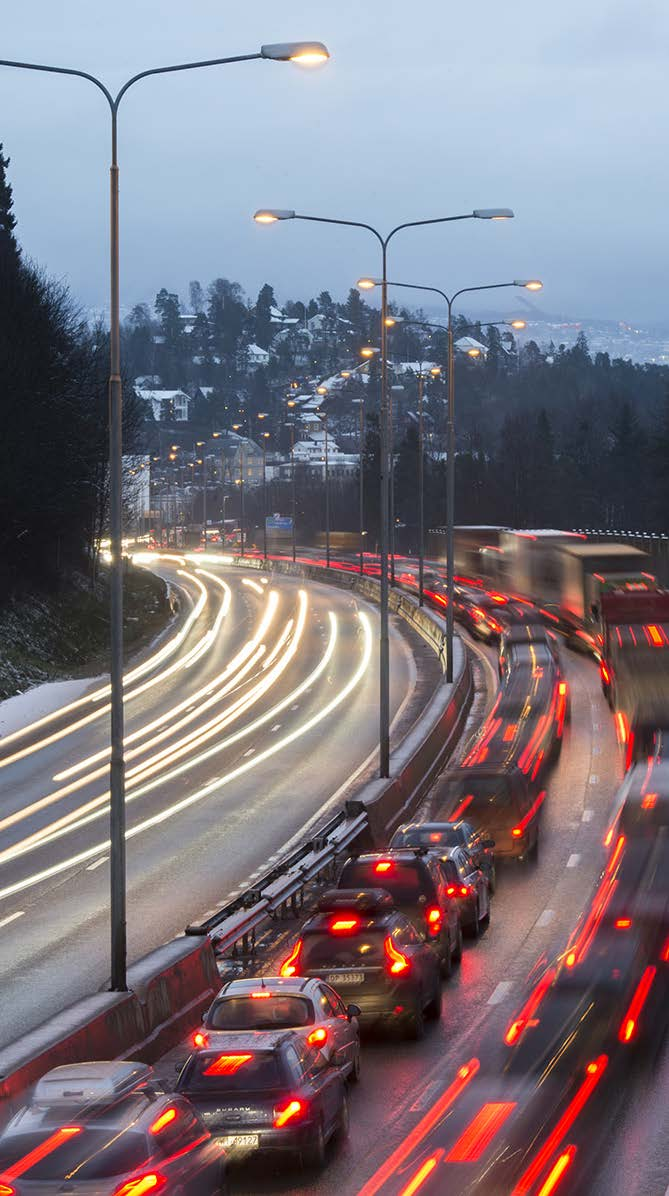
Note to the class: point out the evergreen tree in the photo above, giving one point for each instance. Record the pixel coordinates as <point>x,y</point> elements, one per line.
<point>9,250</point>
<point>196,296</point>
<point>263,316</point>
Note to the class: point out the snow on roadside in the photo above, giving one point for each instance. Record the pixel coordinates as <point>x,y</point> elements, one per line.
<point>23,709</point>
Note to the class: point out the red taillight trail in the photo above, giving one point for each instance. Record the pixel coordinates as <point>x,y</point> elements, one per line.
<point>629,1023</point>
<point>557,1171</point>
<point>480,1132</point>
<point>291,965</point>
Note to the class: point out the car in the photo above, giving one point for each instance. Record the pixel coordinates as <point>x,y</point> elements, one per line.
<point>439,835</point>
<point>106,1129</point>
<point>503,804</point>
<point>370,951</point>
<point>267,1091</point>
<point>286,1003</point>
<point>416,883</point>
<point>468,884</point>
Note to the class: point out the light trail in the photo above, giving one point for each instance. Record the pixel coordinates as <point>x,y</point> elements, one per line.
<point>89,718</point>
<point>214,786</point>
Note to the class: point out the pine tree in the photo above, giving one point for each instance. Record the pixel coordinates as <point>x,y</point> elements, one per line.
<point>9,250</point>
<point>263,316</point>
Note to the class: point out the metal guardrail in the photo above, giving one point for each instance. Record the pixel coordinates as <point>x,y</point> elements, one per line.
<point>239,920</point>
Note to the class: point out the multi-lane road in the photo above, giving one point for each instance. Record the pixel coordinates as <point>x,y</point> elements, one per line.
<point>250,714</point>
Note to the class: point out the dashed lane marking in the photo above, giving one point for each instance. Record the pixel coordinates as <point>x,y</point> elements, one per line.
<point>594,779</point>
<point>546,917</point>
<point>501,992</point>
<point>12,917</point>
<point>574,860</point>
<point>276,727</point>
<point>587,815</point>
<point>249,753</point>
<point>97,863</point>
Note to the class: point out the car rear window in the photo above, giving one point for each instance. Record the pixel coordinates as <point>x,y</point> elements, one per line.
<point>233,1070</point>
<point>420,836</point>
<point>406,881</point>
<point>329,950</point>
<point>88,1155</point>
<point>488,801</point>
<point>268,1011</point>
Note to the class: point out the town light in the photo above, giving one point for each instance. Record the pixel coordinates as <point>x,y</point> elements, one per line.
<point>530,284</point>
<point>435,371</point>
<point>304,53</point>
<point>321,390</point>
<point>517,324</point>
<point>271,215</point>
<point>368,351</point>
<point>345,374</point>
<point>368,284</point>
<point>391,321</point>
<point>473,352</point>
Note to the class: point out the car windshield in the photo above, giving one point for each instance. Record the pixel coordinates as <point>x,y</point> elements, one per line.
<point>404,880</point>
<point>61,1155</point>
<point>263,1010</point>
<point>233,1070</point>
<point>421,836</point>
<point>329,950</point>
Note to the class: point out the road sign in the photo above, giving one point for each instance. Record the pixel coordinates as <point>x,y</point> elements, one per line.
<point>279,523</point>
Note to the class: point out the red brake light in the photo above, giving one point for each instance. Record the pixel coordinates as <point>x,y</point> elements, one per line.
<point>318,1036</point>
<point>398,962</point>
<point>629,1023</point>
<point>480,1132</point>
<point>623,923</point>
<point>226,1065</point>
<point>342,925</point>
<point>434,919</point>
<point>649,801</point>
<point>291,965</point>
<point>465,891</point>
<point>7,1190</point>
<point>562,688</point>
<point>517,832</point>
<point>557,1171</point>
<point>283,1113</point>
<point>606,676</point>
<point>435,837</point>
<point>383,866</point>
<point>165,1119</point>
<point>142,1185</point>
<point>200,1039</point>
<point>451,891</point>
<point>262,995</point>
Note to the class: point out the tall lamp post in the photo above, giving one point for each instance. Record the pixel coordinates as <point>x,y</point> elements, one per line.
<point>324,418</point>
<point>270,216</point>
<point>264,438</point>
<point>291,404</point>
<point>307,53</point>
<point>530,285</point>
<point>240,483</point>
<point>434,373</point>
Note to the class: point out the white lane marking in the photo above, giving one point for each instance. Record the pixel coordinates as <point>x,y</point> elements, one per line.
<point>574,860</point>
<point>12,918</point>
<point>503,989</point>
<point>296,706</point>
<point>97,863</point>
<point>596,750</point>
<point>546,917</point>
<point>596,726</point>
<point>276,727</point>
<point>587,815</point>
<point>249,753</point>
<point>594,779</point>
<point>426,1097</point>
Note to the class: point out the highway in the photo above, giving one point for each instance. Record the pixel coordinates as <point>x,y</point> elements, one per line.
<point>533,913</point>
<point>251,713</point>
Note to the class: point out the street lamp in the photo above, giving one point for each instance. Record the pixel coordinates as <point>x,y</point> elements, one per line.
<point>271,216</point>
<point>434,373</point>
<point>308,53</point>
<point>240,483</point>
<point>291,404</point>
<point>528,284</point>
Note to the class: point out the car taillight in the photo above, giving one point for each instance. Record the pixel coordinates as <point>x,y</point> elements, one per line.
<point>200,1039</point>
<point>164,1120</point>
<point>434,919</point>
<point>318,1036</point>
<point>383,866</point>
<point>344,925</point>
<point>7,1190</point>
<point>291,965</point>
<point>396,960</point>
<point>517,832</point>
<point>142,1185</point>
<point>289,1112</point>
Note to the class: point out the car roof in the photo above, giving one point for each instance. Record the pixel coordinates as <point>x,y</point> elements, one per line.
<point>403,855</point>
<point>378,920</point>
<point>444,824</point>
<point>248,984</point>
<point>132,1110</point>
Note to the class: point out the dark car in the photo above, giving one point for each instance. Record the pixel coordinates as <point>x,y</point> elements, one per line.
<point>437,836</point>
<point>503,805</point>
<point>417,886</point>
<point>267,1091</point>
<point>371,953</point>
<point>468,885</point>
<point>479,612</point>
<point>288,1003</point>
<point>104,1129</point>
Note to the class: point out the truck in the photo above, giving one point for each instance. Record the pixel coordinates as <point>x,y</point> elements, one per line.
<point>634,667</point>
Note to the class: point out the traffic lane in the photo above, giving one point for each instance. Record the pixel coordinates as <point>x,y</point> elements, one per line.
<point>21,778</point>
<point>185,867</point>
<point>294,702</point>
<point>635,1156</point>
<point>532,914</point>
<point>61,789</point>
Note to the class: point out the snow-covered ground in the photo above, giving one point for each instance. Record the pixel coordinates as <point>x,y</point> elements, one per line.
<point>24,708</point>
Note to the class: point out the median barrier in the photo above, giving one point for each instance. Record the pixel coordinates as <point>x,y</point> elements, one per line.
<point>170,986</point>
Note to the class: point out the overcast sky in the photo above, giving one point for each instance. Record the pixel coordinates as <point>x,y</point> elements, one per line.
<point>558,111</point>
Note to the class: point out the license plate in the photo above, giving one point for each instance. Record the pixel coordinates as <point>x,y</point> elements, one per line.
<point>336,978</point>
<point>250,1141</point>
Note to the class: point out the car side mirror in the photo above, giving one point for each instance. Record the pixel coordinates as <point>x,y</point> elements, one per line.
<point>352,1011</point>
<point>204,1013</point>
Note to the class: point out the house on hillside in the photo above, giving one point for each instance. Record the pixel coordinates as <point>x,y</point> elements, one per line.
<point>168,406</point>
